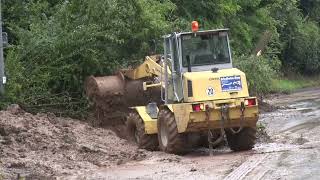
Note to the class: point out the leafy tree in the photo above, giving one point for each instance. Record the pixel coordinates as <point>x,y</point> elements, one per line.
<point>311,9</point>
<point>302,53</point>
<point>247,20</point>
<point>83,37</point>
<point>56,44</point>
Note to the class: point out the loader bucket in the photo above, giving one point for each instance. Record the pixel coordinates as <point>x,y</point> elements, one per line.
<point>112,96</point>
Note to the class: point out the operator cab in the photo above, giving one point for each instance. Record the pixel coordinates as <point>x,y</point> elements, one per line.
<point>199,51</point>
<point>198,61</point>
<point>203,51</point>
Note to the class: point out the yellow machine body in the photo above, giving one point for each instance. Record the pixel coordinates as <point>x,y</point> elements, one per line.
<point>194,79</point>
<point>190,121</point>
<point>203,81</point>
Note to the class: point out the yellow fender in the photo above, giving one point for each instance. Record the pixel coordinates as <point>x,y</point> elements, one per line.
<point>150,125</point>
<point>180,111</point>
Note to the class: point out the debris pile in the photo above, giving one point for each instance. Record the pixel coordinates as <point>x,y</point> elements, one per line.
<point>44,145</point>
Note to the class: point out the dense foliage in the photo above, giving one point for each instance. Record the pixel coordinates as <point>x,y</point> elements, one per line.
<point>260,73</point>
<point>55,44</point>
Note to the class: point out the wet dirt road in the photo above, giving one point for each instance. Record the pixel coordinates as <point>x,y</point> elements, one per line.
<point>292,153</point>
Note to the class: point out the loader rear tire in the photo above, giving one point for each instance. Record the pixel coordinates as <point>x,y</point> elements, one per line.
<point>136,133</point>
<point>242,141</point>
<point>170,140</point>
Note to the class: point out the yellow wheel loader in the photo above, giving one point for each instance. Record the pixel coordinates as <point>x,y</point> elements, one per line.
<point>192,89</point>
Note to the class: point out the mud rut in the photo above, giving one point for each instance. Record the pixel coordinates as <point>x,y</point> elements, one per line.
<point>44,146</point>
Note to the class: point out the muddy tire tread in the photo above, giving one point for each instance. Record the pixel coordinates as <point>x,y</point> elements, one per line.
<point>242,141</point>
<point>176,141</point>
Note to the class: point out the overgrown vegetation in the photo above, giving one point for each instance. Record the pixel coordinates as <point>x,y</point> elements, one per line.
<point>288,85</point>
<point>55,44</point>
<point>260,73</point>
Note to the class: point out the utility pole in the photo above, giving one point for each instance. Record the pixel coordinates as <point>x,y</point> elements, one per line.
<point>2,75</point>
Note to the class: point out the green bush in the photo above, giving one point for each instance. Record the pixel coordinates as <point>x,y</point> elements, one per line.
<point>259,72</point>
<point>47,68</point>
<point>302,53</point>
<point>57,43</point>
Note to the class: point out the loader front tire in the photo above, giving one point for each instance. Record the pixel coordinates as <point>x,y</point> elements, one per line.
<point>170,140</point>
<point>242,141</point>
<point>136,133</point>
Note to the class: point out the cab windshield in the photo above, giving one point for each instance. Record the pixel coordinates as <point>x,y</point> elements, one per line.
<point>205,49</point>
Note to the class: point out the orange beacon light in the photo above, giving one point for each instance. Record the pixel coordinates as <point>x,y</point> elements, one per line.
<point>194,26</point>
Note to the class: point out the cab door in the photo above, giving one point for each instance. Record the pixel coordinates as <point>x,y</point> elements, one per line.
<point>174,88</point>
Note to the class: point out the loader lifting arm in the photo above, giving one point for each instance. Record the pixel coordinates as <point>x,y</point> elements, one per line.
<point>149,68</point>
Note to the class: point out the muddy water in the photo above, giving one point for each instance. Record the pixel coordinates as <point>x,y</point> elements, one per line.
<point>293,153</point>
<point>296,124</point>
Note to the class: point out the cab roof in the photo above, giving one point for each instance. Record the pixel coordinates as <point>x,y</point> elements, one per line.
<point>199,32</point>
<point>204,32</point>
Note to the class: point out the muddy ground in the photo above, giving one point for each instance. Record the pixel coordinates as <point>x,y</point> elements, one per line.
<point>44,146</point>
<point>52,147</point>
